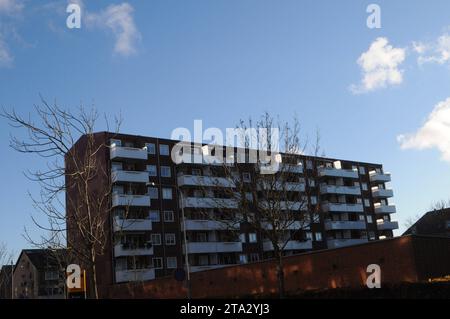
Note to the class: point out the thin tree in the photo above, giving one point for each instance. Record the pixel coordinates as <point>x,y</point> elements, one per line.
<point>52,133</point>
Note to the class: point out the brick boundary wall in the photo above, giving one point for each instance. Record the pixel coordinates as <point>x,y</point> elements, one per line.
<point>332,268</point>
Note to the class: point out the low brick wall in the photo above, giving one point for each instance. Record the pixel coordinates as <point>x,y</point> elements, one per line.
<point>333,268</point>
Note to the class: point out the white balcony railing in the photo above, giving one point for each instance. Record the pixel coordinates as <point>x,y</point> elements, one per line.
<point>380,177</point>
<point>290,245</point>
<point>337,243</point>
<point>135,275</point>
<point>206,181</point>
<point>209,202</point>
<point>280,186</point>
<point>121,224</point>
<point>213,247</point>
<point>130,250</point>
<point>336,225</point>
<point>384,209</point>
<point>121,152</point>
<point>129,176</point>
<point>130,200</point>
<point>382,193</point>
<point>197,224</point>
<point>342,207</point>
<point>338,172</point>
<point>387,225</point>
<point>335,189</point>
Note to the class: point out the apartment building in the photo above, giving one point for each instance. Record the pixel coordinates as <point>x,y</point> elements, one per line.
<point>150,195</point>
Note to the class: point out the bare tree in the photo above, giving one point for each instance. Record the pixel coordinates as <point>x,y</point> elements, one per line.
<point>6,258</point>
<point>65,140</point>
<point>439,205</point>
<point>268,193</point>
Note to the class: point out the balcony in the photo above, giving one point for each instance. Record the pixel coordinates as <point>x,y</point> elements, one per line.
<point>387,225</point>
<point>134,275</point>
<point>337,243</point>
<point>380,177</point>
<point>209,202</point>
<point>205,181</point>
<point>335,189</point>
<point>118,176</point>
<point>283,186</point>
<point>384,209</point>
<point>291,168</point>
<point>213,247</point>
<point>337,172</point>
<point>208,267</point>
<point>121,152</point>
<point>121,224</point>
<point>382,193</point>
<point>342,207</point>
<point>337,225</point>
<point>121,250</point>
<point>130,200</point>
<point>291,245</point>
<point>197,224</point>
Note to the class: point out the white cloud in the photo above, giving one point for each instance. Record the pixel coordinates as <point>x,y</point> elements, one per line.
<point>119,20</point>
<point>379,66</point>
<point>434,133</point>
<point>434,52</point>
<point>6,58</point>
<point>10,6</point>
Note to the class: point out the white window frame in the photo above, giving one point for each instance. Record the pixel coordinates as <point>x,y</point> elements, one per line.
<point>171,213</point>
<point>160,262</point>
<point>163,148</point>
<point>172,259</point>
<point>151,148</point>
<point>166,169</point>
<point>164,192</point>
<point>153,171</point>
<point>156,235</point>
<point>170,235</point>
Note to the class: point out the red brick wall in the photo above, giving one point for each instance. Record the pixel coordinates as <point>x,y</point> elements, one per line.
<point>336,268</point>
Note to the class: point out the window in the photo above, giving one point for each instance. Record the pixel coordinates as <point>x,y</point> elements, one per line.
<point>114,143</point>
<point>153,192</point>
<point>167,193</point>
<point>309,164</point>
<point>157,263</point>
<point>316,218</point>
<point>196,172</point>
<point>366,202</point>
<point>252,238</point>
<point>156,239</point>
<point>242,259</point>
<point>168,216</point>
<point>165,171</point>
<point>372,235</point>
<point>164,149</point>
<point>171,262</point>
<point>154,216</point>
<point>170,239</point>
<point>246,177</point>
<point>447,224</point>
<point>361,217</point>
<point>151,169</point>
<point>364,186</point>
<point>116,166</point>
<point>369,219</point>
<point>362,170</point>
<point>308,235</point>
<point>318,236</point>
<point>242,238</point>
<point>312,183</point>
<point>151,148</point>
<point>254,257</point>
<point>51,275</point>
<point>359,200</point>
<point>313,200</point>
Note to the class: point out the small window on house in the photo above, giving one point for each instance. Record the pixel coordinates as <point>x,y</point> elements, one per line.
<point>366,202</point>
<point>246,177</point>
<point>318,236</point>
<point>359,200</point>
<point>171,262</point>
<point>156,239</point>
<point>114,142</point>
<point>151,169</point>
<point>253,257</point>
<point>372,235</point>
<point>196,172</point>
<point>153,192</point>
<point>364,186</point>
<point>167,193</point>
<point>151,148</point>
<point>164,150</point>
<point>362,170</point>
<point>242,259</point>
<point>316,218</point>
<point>157,263</point>
<point>252,238</point>
<point>168,216</point>
<point>170,239</point>
<point>309,164</point>
<point>154,216</point>
<point>361,217</point>
<point>313,200</point>
<point>369,219</point>
<point>165,171</point>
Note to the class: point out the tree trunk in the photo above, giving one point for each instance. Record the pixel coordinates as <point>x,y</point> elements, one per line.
<point>94,273</point>
<point>280,275</point>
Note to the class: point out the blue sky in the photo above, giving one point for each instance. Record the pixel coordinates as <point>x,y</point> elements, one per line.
<point>163,64</point>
